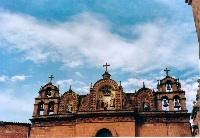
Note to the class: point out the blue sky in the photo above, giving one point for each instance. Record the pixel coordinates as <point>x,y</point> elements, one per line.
<point>73,39</point>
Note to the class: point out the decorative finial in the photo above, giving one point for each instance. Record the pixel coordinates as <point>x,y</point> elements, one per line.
<point>106,67</point>
<point>51,77</point>
<point>158,82</point>
<point>120,83</point>
<point>166,70</point>
<point>91,85</point>
<point>194,103</point>
<point>143,85</point>
<point>70,87</point>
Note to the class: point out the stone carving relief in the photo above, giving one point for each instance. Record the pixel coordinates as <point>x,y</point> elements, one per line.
<point>68,103</point>
<point>84,103</point>
<point>145,100</point>
<point>106,98</point>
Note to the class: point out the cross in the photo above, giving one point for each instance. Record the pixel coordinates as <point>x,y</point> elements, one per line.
<point>51,77</point>
<point>167,70</point>
<point>106,67</point>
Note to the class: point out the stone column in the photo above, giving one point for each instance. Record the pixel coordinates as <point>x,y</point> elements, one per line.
<point>174,86</point>
<point>163,88</point>
<point>55,110</point>
<point>171,104</point>
<point>46,106</point>
<point>35,111</point>
<point>183,104</point>
<point>159,104</point>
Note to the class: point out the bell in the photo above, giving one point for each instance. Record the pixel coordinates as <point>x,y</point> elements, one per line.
<point>51,107</point>
<point>168,87</point>
<point>177,105</point>
<point>165,103</point>
<point>41,106</point>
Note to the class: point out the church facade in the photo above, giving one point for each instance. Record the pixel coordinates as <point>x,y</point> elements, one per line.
<point>109,111</point>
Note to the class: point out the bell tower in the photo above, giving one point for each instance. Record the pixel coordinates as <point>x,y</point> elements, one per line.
<point>169,96</point>
<point>47,101</point>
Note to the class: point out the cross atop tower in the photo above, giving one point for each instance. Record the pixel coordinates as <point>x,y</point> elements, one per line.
<point>106,67</point>
<point>51,77</point>
<point>166,70</point>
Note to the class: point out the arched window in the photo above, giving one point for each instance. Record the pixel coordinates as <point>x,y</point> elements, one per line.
<point>177,105</point>
<point>51,108</point>
<point>168,86</point>
<point>48,91</point>
<point>41,108</point>
<point>103,133</point>
<point>165,103</point>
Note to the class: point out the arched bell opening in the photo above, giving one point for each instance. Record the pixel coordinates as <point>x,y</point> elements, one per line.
<point>51,108</point>
<point>41,108</point>
<point>177,105</point>
<point>103,133</point>
<point>165,103</point>
<point>48,91</point>
<point>168,86</point>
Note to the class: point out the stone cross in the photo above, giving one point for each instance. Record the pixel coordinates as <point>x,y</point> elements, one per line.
<point>106,67</point>
<point>51,77</point>
<point>166,70</point>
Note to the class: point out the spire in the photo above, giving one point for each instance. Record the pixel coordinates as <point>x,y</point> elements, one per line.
<point>158,82</point>
<point>143,85</point>
<point>70,88</point>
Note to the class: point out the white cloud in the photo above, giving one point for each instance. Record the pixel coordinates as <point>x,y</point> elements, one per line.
<point>17,77</point>
<point>190,86</point>
<point>138,83</point>
<point>87,39</point>
<point>3,78</point>
<point>79,74</point>
<point>68,82</point>
<point>14,78</point>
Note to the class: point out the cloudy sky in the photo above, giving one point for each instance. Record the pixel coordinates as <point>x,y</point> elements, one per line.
<point>73,39</point>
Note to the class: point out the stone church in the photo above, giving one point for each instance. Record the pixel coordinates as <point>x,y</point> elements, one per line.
<point>107,110</point>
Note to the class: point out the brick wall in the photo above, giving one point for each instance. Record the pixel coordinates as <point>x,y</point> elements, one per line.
<point>14,130</point>
<point>120,129</point>
<point>163,130</point>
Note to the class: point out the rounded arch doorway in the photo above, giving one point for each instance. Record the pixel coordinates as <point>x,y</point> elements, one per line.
<point>103,133</point>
